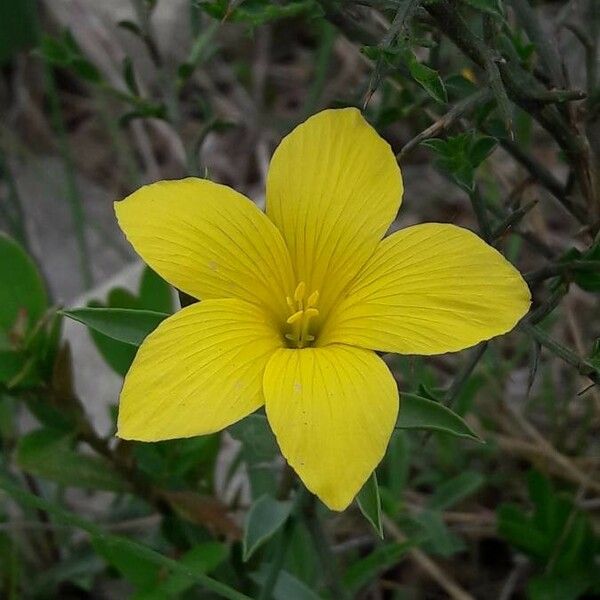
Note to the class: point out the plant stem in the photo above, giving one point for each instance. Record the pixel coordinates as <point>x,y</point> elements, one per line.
<point>445,121</point>
<point>481,213</point>
<point>278,559</point>
<point>25,498</point>
<point>583,367</point>
<point>556,269</point>
<point>16,216</point>
<point>72,192</point>
<point>323,548</point>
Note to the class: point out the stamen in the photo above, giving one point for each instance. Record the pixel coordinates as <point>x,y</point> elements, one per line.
<point>295,317</point>
<point>301,313</point>
<point>311,312</point>
<point>300,291</point>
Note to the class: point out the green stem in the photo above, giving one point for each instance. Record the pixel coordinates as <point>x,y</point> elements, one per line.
<point>16,216</point>
<point>322,62</point>
<point>117,542</point>
<point>278,558</point>
<point>465,372</point>
<point>583,366</point>
<point>562,268</point>
<point>72,192</point>
<point>481,213</point>
<point>553,300</point>
<point>512,219</point>
<point>323,548</point>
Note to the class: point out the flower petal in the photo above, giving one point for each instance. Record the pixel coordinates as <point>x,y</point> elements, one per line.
<point>209,241</point>
<point>333,189</point>
<point>332,410</point>
<point>429,289</point>
<point>198,372</point>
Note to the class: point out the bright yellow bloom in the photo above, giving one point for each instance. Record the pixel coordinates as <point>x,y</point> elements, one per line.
<point>295,302</point>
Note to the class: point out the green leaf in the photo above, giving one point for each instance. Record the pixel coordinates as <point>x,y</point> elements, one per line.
<point>419,413</point>
<point>129,76</point>
<point>379,560</point>
<point>436,144</point>
<point>287,587</point>
<point>438,538</point>
<point>589,278</point>
<point>369,503</point>
<point>259,450</point>
<point>460,155</point>
<point>64,52</point>
<point>80,568</point>
<point>86,70</point>
<point>11,364</point>
<point>554,523</point>
<point>155,293</point>
<point>491,7</point>
<point>301,560</point>
<point>258,12</point>
<point>553,587</point>
<point>118,355</point>
<point>48,454</point>
<point>54,51</point>
<point>454,490</point>
<point>480,149</point>
<point>17,26</point>
<point>22,290</point>
<point>265,517</point>
<point>7,416</point>
<point>123,324</point>
<point>428,79</point>
<point>202,558</point>
<point>136,569</point>
<point>111,541</point>
<point>397,465</point>
<point>132,27</point>
<point>594,358</point>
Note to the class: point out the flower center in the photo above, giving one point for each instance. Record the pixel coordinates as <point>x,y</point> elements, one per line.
<point>302,311</point>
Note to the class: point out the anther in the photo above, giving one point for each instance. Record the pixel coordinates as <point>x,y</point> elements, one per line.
<point>302,311</point>
<point>310,312</point>
<point>300,291</point>
<point>295,317</point>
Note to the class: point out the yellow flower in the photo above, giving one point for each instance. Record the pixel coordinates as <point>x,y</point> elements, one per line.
<point>295,302</point>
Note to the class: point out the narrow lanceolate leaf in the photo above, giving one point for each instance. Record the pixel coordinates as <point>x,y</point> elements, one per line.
<point>203,558</point>
<point>124,324</point>
<point>22,292</point>
<point>369,503</point>
<point>366,569</point>
<point>48,454</point>
<point>454,490</point>
<point>264,519</point>
<point>288,587</point>
<point>419,413</point>
<point>112,542</point>
<point>491,7</point>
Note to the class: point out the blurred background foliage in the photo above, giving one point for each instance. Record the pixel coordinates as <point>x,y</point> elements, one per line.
<point>491,484</point>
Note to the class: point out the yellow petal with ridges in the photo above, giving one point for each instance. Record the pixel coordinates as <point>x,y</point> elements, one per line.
<point>333,189</point>
<point>209,241</point>
<point>198,372</point>
<point>333,411</point>
<point>429,289</point>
